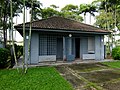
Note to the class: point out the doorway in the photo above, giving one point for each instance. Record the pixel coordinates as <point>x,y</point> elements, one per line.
<point>59,55</point>
<point>77,47</point>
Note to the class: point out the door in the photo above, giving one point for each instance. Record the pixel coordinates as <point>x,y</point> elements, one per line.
<point>77,47</point>
<point>59,49</point>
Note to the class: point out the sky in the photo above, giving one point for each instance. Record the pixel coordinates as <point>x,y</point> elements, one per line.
<point>62,3</point>
<point>59,3</point>
<point>47,3</point>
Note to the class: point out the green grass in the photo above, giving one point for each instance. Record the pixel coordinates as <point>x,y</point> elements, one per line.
<point>115,64</point>
<point>39,78</point>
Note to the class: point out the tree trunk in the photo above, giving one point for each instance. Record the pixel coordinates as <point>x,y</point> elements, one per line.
<point>84,17</point>
<point>29,41</point>
<point>4,29</point>
<point>5,23</point>
<point>11,11</point>
<point>108,27</point>
<point>23,61</point>
<point>115,25</point>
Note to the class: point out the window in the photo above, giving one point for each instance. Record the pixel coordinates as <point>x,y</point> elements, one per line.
<point>47,45</point>
<point>51,45</point>
<point>91,45</point>
<point>43,45</point>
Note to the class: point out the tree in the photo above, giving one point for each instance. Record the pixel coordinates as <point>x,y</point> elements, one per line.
<point>72,12</point>
<point>69,11</point>
<point>84,10</point>
<point>49,12</point>
<point>6,7</point>
<point>17,8</point>
<point>1,12</point>
<point>33,5</point>
<point>54,6</point>
<point>23,61</point>
<point>5,15</point>
<point>87,8</point>
<point>92,9</point>
<point>109,17</point>
<point>36,7</point>
<point>29,41</point>
<point>110,6</point>
<point>102,21</point>
<point>11,17</point>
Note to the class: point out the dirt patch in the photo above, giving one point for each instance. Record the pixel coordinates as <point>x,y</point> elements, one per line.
<point>96,73</point>
<point>112,86</point>
<point>87,67</point>
<point>101,76</point>
<point>76,83</point>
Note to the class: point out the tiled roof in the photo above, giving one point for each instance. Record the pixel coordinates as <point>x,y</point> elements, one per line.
<point>61,23</point>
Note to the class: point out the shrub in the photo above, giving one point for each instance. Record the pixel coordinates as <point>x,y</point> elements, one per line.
<point>116,53</point>
<point>18,50</point>
<point>4,53</point>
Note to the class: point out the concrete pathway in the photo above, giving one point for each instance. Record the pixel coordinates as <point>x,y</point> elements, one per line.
<point>59,62</point>
<point>93,85</point>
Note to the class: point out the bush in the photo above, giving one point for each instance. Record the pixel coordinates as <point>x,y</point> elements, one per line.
<point>116,53</point>
<point>18,50</point>
<point>4,53</point>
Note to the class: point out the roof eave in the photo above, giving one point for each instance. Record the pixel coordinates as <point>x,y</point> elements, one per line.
<point>64,30</point>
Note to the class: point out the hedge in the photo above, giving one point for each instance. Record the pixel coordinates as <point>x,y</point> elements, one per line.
<point>116,53</point>
<point>4,53</point>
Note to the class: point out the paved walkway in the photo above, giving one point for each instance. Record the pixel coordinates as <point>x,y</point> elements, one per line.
<point>93,85</point>
<point>59,62</point>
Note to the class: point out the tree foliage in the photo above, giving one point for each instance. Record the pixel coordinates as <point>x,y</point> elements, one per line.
<point>49,12</point>
<point>17,8</point>
<point>87,8</point>
<point>103,18</point>
<point>72,12</point>
<point>109,12</point>
<point>108,18</point>
<point>69,11</point>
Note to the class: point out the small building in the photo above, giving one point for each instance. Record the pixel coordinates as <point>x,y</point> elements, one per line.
<point>61,39</point>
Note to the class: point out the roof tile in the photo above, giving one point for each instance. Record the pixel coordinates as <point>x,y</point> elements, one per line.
<point>62,23</point>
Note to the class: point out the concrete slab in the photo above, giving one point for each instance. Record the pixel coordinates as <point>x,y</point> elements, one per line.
<point>78,61</point>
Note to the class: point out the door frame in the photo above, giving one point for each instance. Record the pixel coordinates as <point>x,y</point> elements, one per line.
<point>77,47</point>
<point>61,58</point>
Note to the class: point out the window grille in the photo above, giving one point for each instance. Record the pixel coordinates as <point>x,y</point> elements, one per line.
<point>47,45</point>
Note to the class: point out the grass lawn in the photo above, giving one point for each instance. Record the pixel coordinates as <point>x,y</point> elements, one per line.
<point>115,64</point>
<point>39,78</point>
